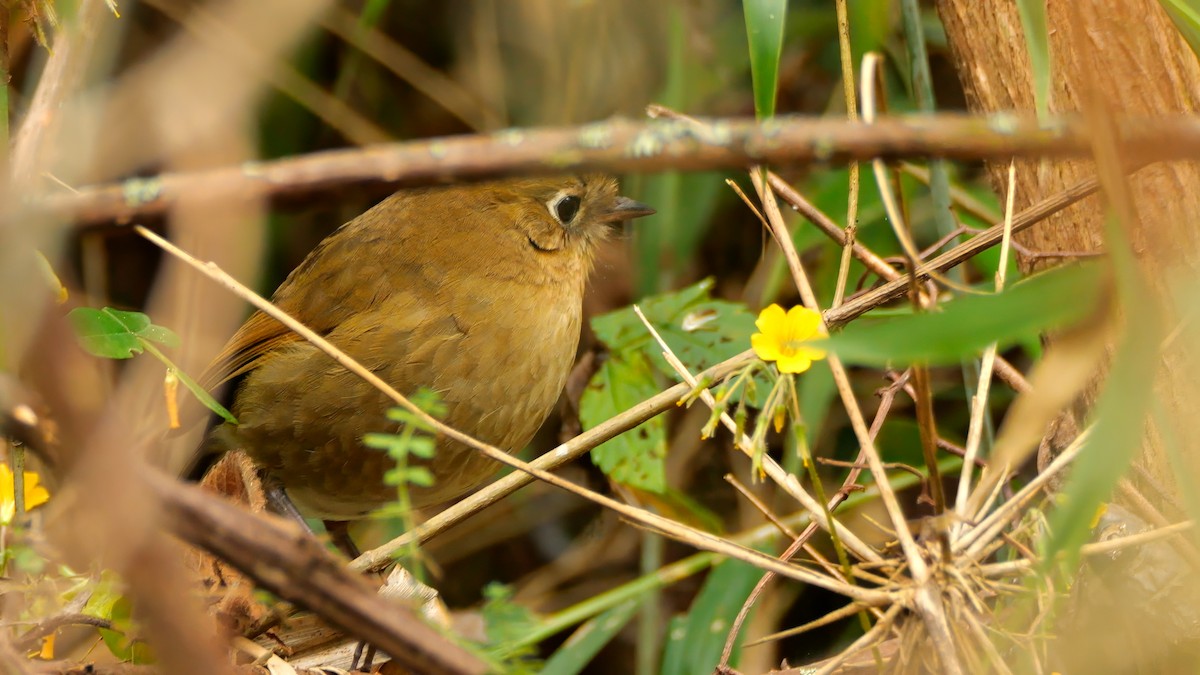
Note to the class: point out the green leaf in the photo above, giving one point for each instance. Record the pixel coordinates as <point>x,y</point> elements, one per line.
<point>579,649</point>
<point>1037,43</point>
<point>412,475</point>
<point>382,441</point>
<point>116,334</point>
<point>506,623</point>
<point>696,640</point>
<point>764,31</point>
<point>701,331</point>
<point>1121,411</point>
<point>635,457</point>
<point>119,639</point>
<point>101,333</point>
<point>106,602</point>
<point>963,327</point>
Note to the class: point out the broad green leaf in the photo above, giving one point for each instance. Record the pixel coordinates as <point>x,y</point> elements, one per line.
<point>701,331</point>
<point>764,31</point>
<point>695,641</point>
<point>1037,44</point>
<point>104,333</point>
<point>634,458</point>
<point>116,334</point>
<point>577,652</point>
<point>962,327</point>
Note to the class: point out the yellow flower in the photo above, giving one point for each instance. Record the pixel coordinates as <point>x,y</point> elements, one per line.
<point>783,336</point>
<point>35,494</point>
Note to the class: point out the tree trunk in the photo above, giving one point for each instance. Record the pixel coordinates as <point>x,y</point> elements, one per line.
<point>1128,56</point>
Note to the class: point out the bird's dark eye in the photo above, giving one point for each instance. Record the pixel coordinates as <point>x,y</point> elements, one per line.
<point>566,208</point>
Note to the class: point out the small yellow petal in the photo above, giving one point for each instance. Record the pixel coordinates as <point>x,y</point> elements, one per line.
<point>766,347</point>
<point>47,650</point>
<point>804,322</point>
<point>771,320</point>
<point>797,363</point>
<point>6,485</point>
<point>35,495</point>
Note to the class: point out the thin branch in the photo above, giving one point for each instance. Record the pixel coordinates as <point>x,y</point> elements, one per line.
<point>623,146</point>
<point>990,237</point>
<point>980,400</point>
<point>868,639</point>
<point>31,637</point>
<point>772,468</point>
<point>975,539</point>
<point>678,531</point>
<point>378,558</point>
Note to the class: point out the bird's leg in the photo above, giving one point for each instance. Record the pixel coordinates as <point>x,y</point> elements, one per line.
<point>367,662</point>
<point>339,534</point>
<point>279,502</point>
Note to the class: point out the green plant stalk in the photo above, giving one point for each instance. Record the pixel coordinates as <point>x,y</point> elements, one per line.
<point>818,487</point>
<point>758,442</point>
<point>664,190</point>
<point>16,462</point>
<point>650,616</point>
<point>370,16</point>
<point>698,562</point>
<point>939,182</point>
<point>848,87</point>
<point>183,377</point>
<point>404,500</point>
<point>1037,45</point>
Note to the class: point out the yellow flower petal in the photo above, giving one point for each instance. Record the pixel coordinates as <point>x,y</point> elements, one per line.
<point>47,650</point>
<point>771,320</point>
<point>804,322</point>
<point>6,485</point>
<point>35,494</point>
<point>794,364</point>
<point>765,347</point>
<point>783,336</point>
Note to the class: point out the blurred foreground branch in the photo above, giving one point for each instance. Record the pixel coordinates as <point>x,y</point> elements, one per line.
<point>622,146</point>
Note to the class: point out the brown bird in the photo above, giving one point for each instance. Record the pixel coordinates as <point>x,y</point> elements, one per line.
<point>473,291</point>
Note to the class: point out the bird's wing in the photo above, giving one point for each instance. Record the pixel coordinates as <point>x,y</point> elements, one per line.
<point>347,274</point>
<point>257,337</point>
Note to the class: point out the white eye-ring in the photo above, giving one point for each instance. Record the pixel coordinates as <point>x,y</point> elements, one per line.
<point>564,207</point>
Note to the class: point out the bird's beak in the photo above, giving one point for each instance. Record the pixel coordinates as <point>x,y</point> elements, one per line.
<point>626,209</point>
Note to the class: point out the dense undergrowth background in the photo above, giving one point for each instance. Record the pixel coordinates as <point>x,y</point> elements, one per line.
<point>458,67</point>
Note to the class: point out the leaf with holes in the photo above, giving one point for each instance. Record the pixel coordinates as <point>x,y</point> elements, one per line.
<point>634,458</point>
<point>700,330</point>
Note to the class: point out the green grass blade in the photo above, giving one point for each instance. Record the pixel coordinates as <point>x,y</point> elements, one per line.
<point>1186,15</point>
<point>579,649</point>
<point>1037,43</point>
<point>764,31</point>
<point>965,326</point>
<point>697,640</point>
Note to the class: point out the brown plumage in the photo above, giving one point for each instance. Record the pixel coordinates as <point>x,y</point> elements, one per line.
<point>473,291</point>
